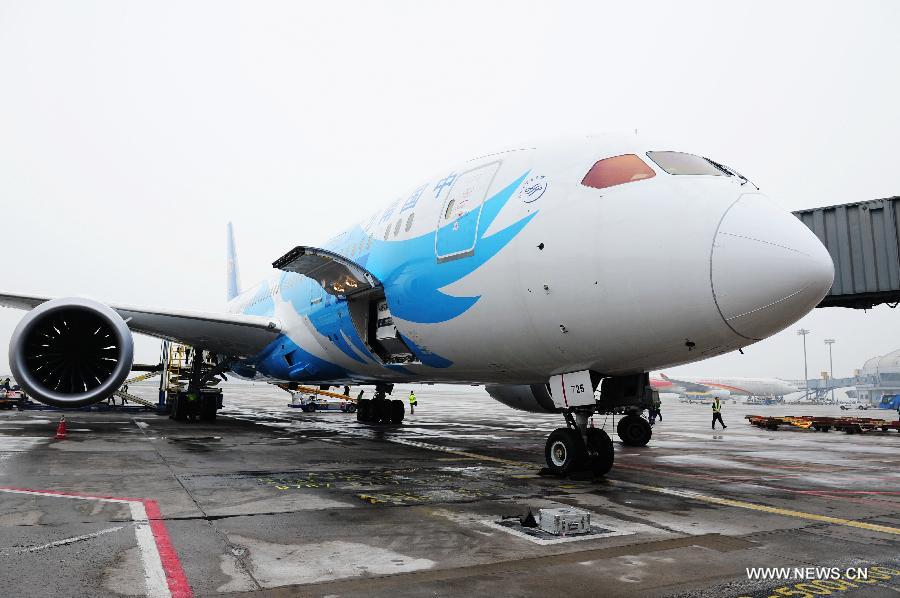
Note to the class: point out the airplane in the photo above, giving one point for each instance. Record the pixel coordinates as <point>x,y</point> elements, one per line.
<point>547,273</point>
<point>722,387</point>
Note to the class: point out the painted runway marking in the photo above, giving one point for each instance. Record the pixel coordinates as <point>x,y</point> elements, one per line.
<point>163,574</point>
<point>765,508</point>
<point>67,541</point>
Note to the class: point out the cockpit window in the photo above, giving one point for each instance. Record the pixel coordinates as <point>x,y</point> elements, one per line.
<point>681,163</point>
<point>617,171</point>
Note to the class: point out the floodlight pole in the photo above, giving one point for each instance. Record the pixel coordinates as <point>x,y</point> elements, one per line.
<point>803,332</point>
<point>829,342</point>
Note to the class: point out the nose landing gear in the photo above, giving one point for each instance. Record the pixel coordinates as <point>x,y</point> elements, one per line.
<point>578,447</point>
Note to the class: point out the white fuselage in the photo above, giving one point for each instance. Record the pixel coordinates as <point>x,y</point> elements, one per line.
<point>584,279</point>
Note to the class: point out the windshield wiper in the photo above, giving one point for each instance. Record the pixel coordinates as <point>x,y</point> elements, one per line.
<point>732,172</point>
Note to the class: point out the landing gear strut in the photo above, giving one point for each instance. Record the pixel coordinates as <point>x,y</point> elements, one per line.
<point>380,409</point>
<point>579,448</point>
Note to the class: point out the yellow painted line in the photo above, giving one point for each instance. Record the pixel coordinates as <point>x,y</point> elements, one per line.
<point>729,502</point>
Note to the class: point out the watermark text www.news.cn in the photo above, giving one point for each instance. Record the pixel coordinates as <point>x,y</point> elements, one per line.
<point>807,573</point>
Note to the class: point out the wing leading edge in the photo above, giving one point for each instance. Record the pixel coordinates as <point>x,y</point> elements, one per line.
<point>229,334</point>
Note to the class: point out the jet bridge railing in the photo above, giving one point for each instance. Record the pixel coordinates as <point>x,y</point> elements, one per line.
<point>863,239</point>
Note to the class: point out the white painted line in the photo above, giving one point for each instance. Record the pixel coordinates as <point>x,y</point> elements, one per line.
<point>154,576</point>
<point>156,583</point>
<point>70,540</point>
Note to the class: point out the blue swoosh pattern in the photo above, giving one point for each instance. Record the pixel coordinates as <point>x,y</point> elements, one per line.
<point>412,278</point>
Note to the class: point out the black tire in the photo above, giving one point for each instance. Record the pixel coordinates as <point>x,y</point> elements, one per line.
<point>397,411</point>
<point>634,430</point>
<point>364,410</point>
<point>312,407</point>
<point>179,409</point>
<point>382,411</point>
<point>564,451</point>
<point>600,451</point>
<point>351,408</point>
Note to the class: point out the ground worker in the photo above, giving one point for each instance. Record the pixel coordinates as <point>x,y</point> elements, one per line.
<point>717,413</point>
<point>360,395</point>
<point>654,411</point>
<point>412,402</point>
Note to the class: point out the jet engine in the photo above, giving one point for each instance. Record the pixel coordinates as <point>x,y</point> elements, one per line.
<point>720,392</point>
<point>71,352</point>
<point>534,397</point>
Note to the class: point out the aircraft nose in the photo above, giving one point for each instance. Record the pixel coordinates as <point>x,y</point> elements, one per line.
<point>767,268</point>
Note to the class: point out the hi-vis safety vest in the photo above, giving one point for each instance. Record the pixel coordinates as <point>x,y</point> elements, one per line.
<point>717,406</point>
<point>412,399</point>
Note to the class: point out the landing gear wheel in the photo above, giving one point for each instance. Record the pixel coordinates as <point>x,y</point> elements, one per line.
<point>564,451</point>
<point>634,430</point>
<point>397,411</point>
<point>382,411</point>
<point>364,410</point>
<point>179,409</point>
<point>600,452</point>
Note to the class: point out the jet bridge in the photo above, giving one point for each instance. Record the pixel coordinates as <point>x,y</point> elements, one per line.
<point>862,238</point>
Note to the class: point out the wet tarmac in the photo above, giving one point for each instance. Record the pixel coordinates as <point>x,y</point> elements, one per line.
<point>271,501</point>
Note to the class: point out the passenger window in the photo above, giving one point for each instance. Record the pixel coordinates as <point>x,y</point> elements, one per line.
<point>681,163</point>
<point>619,170</point>
<point>409,221</point>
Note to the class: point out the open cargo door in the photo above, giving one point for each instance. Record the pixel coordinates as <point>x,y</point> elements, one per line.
<point>364,293</point>
<point>337,275</point>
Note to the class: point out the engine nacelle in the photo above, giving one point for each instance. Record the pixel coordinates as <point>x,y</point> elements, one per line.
<point>720,393</point>
<point>71,352</point>
<point>525,397</point>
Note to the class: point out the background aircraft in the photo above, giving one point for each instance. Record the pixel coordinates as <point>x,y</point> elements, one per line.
<point>523,270</point>
<point>722,387</point>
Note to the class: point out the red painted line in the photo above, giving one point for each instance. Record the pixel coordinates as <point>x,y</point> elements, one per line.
<point>562,380</point>
<point>177,580</point>
<point>171,564</point>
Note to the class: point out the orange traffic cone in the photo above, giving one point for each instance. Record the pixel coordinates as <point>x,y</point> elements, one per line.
<point>61,429</point>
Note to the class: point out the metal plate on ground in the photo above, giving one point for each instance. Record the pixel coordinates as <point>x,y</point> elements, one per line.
<point>538,536</point>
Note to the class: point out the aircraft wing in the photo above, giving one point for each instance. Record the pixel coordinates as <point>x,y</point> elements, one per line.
<point>229,334</point>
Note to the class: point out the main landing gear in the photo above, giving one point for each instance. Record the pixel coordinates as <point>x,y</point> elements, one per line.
<point>380,409</point>
<point>578,447</point>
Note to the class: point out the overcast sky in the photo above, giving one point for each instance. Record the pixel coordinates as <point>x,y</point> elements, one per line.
<point>131,132</point>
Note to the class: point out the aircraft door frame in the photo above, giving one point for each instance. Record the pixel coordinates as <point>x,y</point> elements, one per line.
<point>456,231</point>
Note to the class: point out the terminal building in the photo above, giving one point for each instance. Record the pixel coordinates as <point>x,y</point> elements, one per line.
<point>879,376</point>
